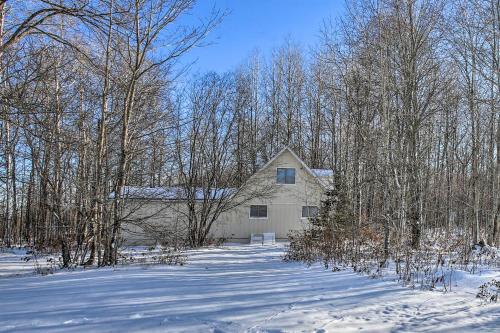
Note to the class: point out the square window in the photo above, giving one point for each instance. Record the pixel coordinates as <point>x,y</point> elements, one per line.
<point>285,175</point>
<point>309,211</point>
<point>258,211</point>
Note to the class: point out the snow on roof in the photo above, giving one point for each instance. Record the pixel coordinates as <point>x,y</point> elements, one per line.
<point>173,193</point>
<point>324,176</point>
<point>322,172</point>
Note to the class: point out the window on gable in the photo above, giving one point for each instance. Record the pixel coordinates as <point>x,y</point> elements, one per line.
<point>258,211</point>
<point>309,211</point>
<point>285,176</point>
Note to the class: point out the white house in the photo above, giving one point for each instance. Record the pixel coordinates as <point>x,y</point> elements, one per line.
<point>294,195</point>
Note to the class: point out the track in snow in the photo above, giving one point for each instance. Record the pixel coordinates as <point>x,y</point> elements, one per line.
<point>232,289</point>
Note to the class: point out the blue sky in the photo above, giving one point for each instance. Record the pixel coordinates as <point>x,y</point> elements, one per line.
<point>258,25</point>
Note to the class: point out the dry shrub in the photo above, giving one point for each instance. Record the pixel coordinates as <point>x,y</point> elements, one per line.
<point>489,291</point>
<point>432,266</point>
<point>154,256</point>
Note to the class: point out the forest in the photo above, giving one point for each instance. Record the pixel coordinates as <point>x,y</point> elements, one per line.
<point>401,98</point>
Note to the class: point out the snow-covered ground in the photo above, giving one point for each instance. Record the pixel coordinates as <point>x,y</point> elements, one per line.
<point>232,289</point>
<point>13,263</point>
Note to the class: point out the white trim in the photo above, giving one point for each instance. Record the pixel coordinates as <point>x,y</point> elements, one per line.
<point>307,217</point>
<point>302,163</point>
<point>257,218</point>
<point>294,177</point>
<point>307,168</point>
<point>318,180</point>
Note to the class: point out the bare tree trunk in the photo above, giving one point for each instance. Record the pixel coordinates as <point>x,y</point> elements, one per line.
<point>98,195</point>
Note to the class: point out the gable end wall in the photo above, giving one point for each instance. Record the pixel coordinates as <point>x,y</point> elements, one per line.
<point>284,205</point>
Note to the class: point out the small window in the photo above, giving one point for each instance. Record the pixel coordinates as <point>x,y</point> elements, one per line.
<point>285,176</point>
<point>309,211</point>
<point>258,211</point>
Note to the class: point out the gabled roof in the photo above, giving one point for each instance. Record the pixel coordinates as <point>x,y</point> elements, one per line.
<point>323,173</point>
<point>172,193</point>
<point>323,176</point>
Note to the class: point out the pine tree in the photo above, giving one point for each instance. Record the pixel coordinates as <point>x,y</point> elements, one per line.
<point>327,238</point>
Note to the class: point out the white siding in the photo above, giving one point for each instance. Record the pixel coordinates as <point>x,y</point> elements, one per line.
<point>284,207</point>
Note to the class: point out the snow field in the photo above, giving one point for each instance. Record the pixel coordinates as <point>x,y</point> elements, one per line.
<point>237,288</point>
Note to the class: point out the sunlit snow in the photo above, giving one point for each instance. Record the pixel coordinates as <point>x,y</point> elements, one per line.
<point>239,288</point>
